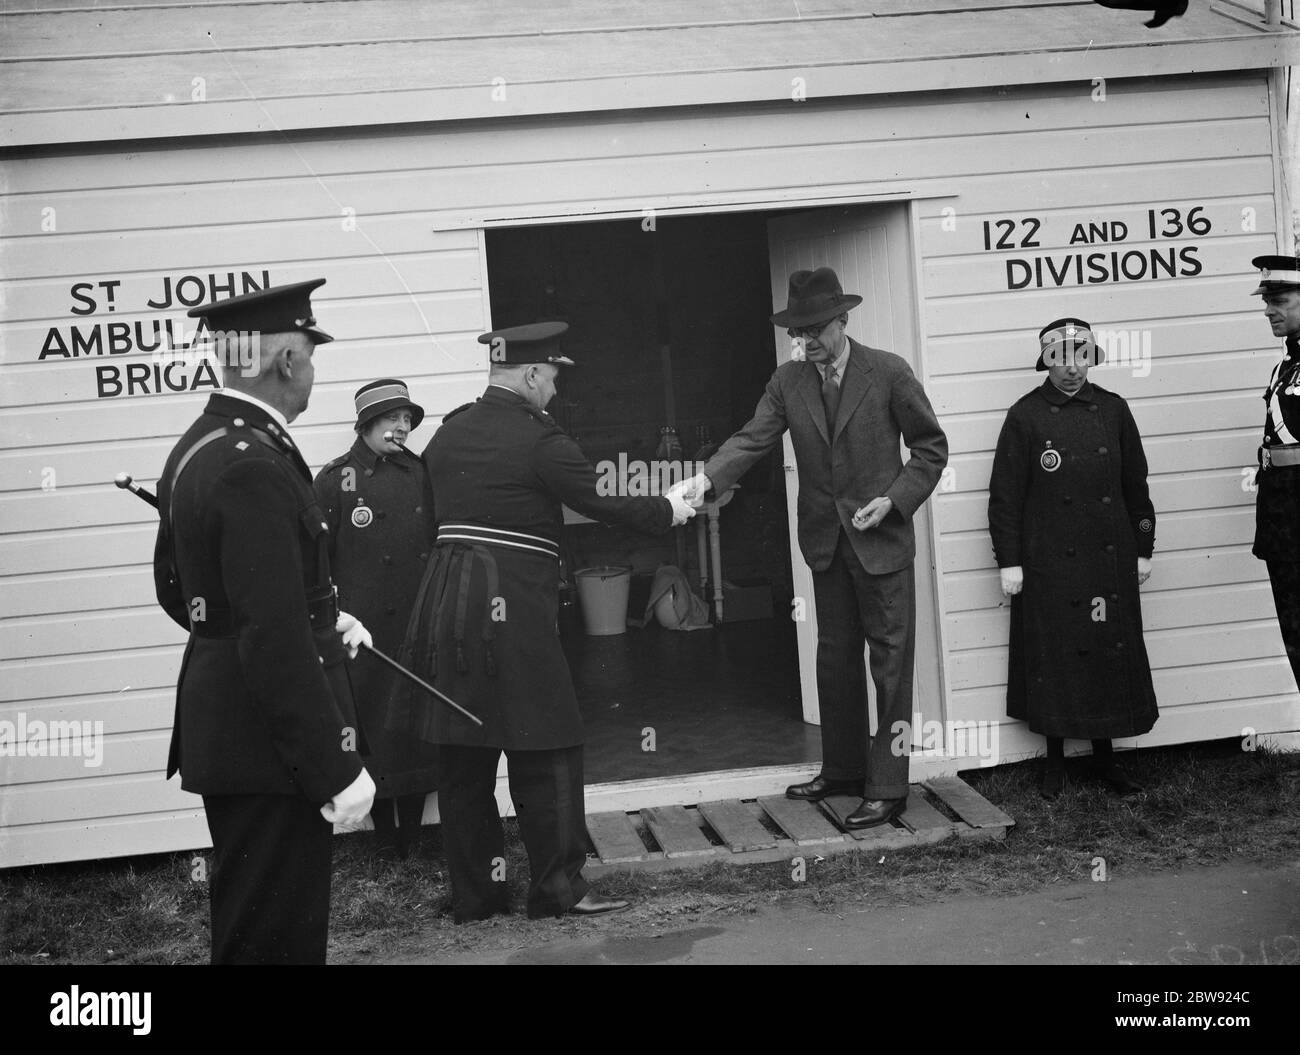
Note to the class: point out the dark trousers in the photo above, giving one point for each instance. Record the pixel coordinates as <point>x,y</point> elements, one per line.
<point>856,609</point>
<point>1285,577</point>
<point>270,879</point>
<point>546,788</point>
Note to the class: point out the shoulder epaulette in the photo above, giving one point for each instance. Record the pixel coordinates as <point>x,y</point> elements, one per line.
<point>332,465</point>
<point>451,414</point>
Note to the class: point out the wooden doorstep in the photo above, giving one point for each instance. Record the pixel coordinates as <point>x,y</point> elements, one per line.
<point>805,828</point>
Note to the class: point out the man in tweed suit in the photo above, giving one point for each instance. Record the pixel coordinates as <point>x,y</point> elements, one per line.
<point>846,406</point>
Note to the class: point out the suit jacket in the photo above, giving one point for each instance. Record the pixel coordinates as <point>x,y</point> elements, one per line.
<point>262,704</point>
<point>842,470</point>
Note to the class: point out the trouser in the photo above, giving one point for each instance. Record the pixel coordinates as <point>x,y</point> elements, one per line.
<point>1285,577</point>
<point>856,609</point>
<point>547,791</point>
<point>270,878</point>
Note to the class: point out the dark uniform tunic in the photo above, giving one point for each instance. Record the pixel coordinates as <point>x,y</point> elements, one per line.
<point>484,631</point>
<point>489,611</point>
<point>1068,503</point>
<point>265,729</point>
<point>380,512</point>
<point>1277,500</point>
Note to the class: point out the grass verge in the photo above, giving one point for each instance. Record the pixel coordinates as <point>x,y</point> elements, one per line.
<point>1204,804</point>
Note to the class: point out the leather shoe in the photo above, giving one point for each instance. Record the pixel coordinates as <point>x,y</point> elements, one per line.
<point>873,812</point>
<point>592,904</point>
<point>819,788</point>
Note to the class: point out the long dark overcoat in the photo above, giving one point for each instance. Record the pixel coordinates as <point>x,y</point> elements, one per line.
<point>483,629</point>
<point>380,512</point>
<point>1068,503</point>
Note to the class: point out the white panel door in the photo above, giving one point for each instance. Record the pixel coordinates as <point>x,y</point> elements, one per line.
<point>870,250</point>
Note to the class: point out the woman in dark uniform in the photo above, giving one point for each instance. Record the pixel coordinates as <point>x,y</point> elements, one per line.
<point>1073,531</point>
<point>379,506</point>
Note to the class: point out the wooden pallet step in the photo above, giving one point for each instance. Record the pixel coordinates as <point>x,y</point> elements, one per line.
<point>802,821</point>
<point>968,804</point>
<point>920,816</point>
<point>615,838</point>
<point>737,826</point>
<point>675,832</point>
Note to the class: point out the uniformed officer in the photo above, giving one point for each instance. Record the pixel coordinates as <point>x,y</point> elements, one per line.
<point>379,508</point>
<point>484,629</point>
<point>1277,500</point>
<point>265,729</point>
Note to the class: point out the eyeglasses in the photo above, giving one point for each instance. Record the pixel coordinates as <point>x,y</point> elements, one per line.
<point>808,331</point>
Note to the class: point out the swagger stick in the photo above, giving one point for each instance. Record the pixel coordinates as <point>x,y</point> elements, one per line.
<point>124,481</point>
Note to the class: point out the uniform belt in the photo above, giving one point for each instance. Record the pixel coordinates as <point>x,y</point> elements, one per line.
<point>1279,457</point>
<point>322,611</point>
<point>478,534</point>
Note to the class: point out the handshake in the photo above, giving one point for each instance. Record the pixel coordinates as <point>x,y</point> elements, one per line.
<point>687,496</point>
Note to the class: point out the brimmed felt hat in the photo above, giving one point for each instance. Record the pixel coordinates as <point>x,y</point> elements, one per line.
<point>815,296</point>
<point>277,309</point>
<point>379,397</point>
<point>1069,334</point>
<point>1277,274</point>
<point>538,342</point>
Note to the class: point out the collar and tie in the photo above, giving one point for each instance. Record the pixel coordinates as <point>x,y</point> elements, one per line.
<point>831,395</point>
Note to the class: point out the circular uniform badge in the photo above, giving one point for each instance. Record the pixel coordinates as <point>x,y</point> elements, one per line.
<point>1050,460</point>
<point>362,516</point>
<point>1145,524</point>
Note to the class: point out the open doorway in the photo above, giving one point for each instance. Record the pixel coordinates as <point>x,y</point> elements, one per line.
<point>669,325</point>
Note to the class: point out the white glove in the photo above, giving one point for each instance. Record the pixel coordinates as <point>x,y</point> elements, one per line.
<point>682,512</point>
<point>692,489</point>
<point>349,807</point>
<point>1013,580</point>
<point>1144,569</point>
<point>354,634</point>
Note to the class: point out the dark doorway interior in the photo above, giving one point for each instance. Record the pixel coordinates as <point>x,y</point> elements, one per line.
<point>669,326</point>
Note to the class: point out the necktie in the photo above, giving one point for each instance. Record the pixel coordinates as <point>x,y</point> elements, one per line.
<point>830,397</point>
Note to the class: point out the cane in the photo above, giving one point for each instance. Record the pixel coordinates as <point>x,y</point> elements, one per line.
<point>124,481</point>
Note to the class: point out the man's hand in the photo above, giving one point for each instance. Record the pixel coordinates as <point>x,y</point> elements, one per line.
<point>692,489</point>
<point>349,807</point>
<point>354,634</point>
<point>1013,580</point>
<point>872,513</point>
<point>682,511</point>
<point>1144,569</point>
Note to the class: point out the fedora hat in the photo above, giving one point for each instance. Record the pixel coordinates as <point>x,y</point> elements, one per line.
<point>815,296</point>
<point>379,397</point>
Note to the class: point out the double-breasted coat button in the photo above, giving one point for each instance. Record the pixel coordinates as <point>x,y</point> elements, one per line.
<point>1069,552</point>
<point>1105,500</point>
<point>424,556</point>
<point>1110,548</point>
<point>419,509</point>
<point>1093,409</point>
<point>1067,500</point>
<point>1102,450</point>
<point>387,560</point>
<point>1056,410</point>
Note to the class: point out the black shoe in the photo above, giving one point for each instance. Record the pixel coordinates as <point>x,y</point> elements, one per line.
<point>819,788</point>
<point>873,812</point>
<point>592,904</point>
<point>1116,779</point>
<point>1053,783</point>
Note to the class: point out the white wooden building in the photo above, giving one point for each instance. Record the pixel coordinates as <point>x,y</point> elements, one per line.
<point>973,172</point>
